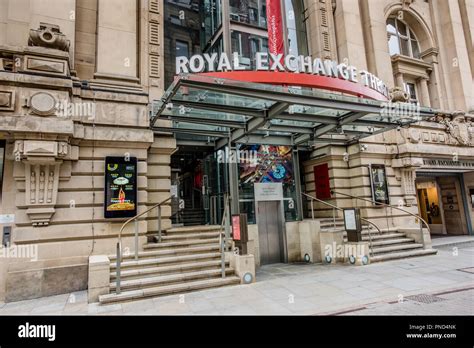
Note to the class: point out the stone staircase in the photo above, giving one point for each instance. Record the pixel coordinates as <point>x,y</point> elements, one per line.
<point>187,259</point>
<point>388,245</point>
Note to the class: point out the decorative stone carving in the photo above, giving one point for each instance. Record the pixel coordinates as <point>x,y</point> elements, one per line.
<point>49,36</point>
<point>397,94</point>
<point>7,100</point>
<point>460,130</point>
<point>43,104</point>
<point>408,185</point>
<point>42,160</point>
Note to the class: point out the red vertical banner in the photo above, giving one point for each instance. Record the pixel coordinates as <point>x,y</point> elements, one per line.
<point>321,181</point>
<point>275,27</point>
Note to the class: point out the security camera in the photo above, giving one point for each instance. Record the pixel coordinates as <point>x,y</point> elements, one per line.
<point>363,147</point>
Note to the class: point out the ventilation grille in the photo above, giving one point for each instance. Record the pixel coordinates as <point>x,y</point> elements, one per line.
<point>154,33</point>
<point>154,6</point>
<point>154,66</point>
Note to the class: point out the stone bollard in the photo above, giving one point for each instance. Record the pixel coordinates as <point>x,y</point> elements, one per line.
<point>99,277</point>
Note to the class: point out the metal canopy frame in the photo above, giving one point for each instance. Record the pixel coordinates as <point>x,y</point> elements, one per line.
<point>223,112</point>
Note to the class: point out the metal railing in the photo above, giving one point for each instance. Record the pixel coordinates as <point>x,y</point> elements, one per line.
<point>119,242</point>
<point>224,230</point>
<point>419,218</point>
<point>335,207</point>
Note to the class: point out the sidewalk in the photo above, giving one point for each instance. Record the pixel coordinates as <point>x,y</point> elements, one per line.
<point>292,289</point>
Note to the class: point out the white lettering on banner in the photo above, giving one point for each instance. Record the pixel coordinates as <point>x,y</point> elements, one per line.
<point>278,62</point>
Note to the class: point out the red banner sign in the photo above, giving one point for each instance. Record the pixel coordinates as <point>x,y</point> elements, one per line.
<point>321,181</point>
<point>275,27</point>
<point>236,227</point>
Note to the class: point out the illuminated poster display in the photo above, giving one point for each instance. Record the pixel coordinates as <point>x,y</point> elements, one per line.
<point>120,187</point>
<point>378,179</point>
<point>265,163</point>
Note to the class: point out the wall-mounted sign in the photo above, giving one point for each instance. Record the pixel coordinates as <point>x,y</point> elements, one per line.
<point>277,68</point>
<point>446,163</point>
<point>120,187</point>
<point>378,181</point>
<point>268,191</point>
<point>321,181</point>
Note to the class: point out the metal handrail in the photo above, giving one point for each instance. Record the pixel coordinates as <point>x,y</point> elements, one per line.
<point>225,220</point>
<point>341,209</point>
<point>119,242</point>
<point>388,206</point>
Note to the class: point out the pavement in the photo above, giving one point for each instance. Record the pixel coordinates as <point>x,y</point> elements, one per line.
<point>429,285</point>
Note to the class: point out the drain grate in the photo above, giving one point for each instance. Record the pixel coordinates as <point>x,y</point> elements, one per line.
<point>467,270</point>
<point>425,298</point>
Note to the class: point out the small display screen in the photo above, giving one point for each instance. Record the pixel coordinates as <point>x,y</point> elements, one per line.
<point>120,187</point>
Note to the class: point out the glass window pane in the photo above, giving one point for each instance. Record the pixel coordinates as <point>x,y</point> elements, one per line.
<point>415,49</point>
<point>393,45</point>
<point>402,29</point>
<point>404,47</point>
<point>182,49</point>
<point>251,12</point>
<point>391,26</point>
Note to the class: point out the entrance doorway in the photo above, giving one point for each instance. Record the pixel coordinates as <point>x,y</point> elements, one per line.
<point>200,182</point>
<point>440,202</point>
<point>270,232</point>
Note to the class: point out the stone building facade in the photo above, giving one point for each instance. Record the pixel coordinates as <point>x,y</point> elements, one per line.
<point>77,78</point>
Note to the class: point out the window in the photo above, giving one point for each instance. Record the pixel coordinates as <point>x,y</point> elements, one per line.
<point>411,90</point>
<point>251,12</point>
<point>401,39</point>
<point>247,45</point>
<point>182,49</point>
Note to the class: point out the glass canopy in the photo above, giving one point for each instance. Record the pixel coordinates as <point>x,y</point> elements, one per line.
<point>219,111</point>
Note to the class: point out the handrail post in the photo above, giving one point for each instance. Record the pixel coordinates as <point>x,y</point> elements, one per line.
<point>334,217</point>
<point>136,239</point>
<point>312,209</point>
<point>159,224</point>
<point>227,222</point>
<point>222,256</point>
<point>118,261</point>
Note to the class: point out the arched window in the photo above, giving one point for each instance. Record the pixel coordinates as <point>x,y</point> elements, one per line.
<point>401,39</point>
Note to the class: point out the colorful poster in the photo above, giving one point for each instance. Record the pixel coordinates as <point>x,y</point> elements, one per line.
<point>120,187</point>
<point>275,27</point>
<point>265,163</point>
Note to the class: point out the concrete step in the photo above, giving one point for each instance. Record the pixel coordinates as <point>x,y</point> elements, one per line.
<point>168,279</point>
<point>383,242</point>
<point>395,248</point>
<point>171,252</point>
<point>187,242</point>
<point>183,236</point>
<point>384,236</point>
<point>128,264</point>
<point>168,269</point>
<point>193,229</point>
<point>403,255</point>
<point>168,289</point>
